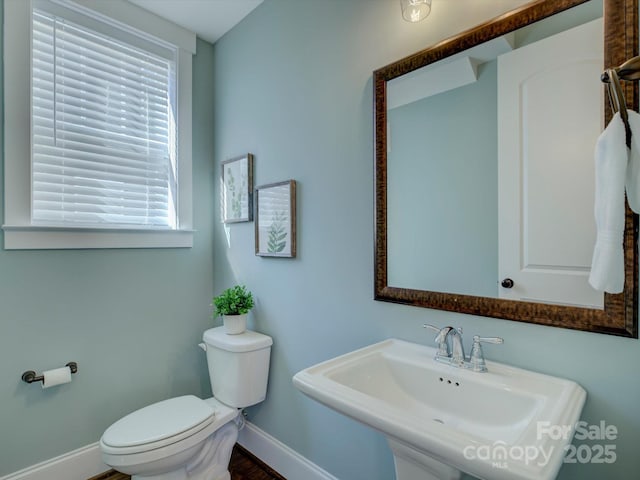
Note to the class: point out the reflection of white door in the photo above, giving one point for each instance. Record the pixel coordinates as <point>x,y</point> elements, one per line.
<point>549,118</point>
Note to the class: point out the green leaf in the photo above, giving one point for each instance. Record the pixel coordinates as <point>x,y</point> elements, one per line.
<point>233,301</point>
<point>277,234</point>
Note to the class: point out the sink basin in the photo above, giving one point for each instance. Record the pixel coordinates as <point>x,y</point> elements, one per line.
<point>440,420</point>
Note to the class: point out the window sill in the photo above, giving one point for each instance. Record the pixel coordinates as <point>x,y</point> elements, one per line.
<point>54,238</point>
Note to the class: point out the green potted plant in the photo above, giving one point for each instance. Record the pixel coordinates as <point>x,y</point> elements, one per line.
<point>233,305</point>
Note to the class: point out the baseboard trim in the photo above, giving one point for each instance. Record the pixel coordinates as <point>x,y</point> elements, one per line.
<point>86,462</point>
<point>284,460</point>
<point>80,464</point>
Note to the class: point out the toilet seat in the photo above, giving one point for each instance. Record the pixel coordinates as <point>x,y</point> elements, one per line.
<point>158,425</point>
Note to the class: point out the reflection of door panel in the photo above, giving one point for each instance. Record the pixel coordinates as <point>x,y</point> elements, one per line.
<point>549,118</point>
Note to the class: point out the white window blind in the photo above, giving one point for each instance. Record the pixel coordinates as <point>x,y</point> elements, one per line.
<point>103,130</point>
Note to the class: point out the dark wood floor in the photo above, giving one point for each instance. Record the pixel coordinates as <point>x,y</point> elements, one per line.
<point>243,466</point>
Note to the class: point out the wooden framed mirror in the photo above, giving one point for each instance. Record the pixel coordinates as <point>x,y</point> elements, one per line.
<point>400,239</point>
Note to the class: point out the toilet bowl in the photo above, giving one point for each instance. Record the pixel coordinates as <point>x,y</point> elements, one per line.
<point>187,438</point>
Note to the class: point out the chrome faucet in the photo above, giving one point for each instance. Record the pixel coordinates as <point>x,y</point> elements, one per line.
<point>455,355</point>
<point>457,349</point>
<point>476,357</point>
<point>443,346</point>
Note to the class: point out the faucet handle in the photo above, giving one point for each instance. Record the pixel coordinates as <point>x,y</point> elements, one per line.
<point>476,357</point>
<point>496,340</point>
<point>432,327</point>
<point>443,349</point>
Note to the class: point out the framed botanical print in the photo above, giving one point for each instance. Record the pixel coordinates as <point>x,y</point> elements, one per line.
<point>237,189</point>
<point>276,219</point>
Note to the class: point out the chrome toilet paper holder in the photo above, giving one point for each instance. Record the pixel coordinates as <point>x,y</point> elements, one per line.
<point>30,376</point>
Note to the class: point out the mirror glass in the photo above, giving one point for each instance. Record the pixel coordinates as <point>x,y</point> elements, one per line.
<point>485,171</point>
<point>450,148</point>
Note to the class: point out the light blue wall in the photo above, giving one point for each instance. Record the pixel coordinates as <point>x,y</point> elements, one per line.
<point>293,86</point>
<point>130,318</point>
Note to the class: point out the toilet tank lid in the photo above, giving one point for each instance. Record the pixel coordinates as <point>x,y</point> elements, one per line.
<point>248,341</point>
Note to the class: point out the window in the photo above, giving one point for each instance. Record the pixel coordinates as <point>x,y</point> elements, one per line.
<point>105,162</point>
<point>102,129</point>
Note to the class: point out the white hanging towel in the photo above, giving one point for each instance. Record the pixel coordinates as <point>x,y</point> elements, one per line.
<point>633,168</point>
<point>611,155</point>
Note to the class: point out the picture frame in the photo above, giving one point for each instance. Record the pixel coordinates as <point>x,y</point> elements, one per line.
<point>275,224</point>
<point>237,189</point>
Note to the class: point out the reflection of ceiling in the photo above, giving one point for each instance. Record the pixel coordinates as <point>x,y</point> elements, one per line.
<point>452,72</point>
<point>209,19</point>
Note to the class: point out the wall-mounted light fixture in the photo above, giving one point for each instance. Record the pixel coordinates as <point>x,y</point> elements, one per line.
<point>415,10</point>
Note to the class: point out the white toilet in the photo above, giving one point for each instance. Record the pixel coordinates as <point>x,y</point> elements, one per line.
<point>186,437</point>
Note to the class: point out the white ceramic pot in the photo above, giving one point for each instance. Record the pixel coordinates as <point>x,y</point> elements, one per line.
<point>234,324</point>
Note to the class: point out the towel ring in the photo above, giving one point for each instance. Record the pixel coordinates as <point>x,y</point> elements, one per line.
<point>617,101</point>
<point>629,70</point>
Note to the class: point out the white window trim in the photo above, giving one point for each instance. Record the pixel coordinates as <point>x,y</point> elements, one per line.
<point>18,231</point>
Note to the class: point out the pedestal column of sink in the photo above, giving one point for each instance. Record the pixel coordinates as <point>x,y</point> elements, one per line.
<point>413,465</point>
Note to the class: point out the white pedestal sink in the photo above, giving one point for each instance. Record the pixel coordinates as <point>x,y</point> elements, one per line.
<point>440,420</point>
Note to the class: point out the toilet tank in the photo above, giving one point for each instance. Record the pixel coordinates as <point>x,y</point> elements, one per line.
<point>238,366</point>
